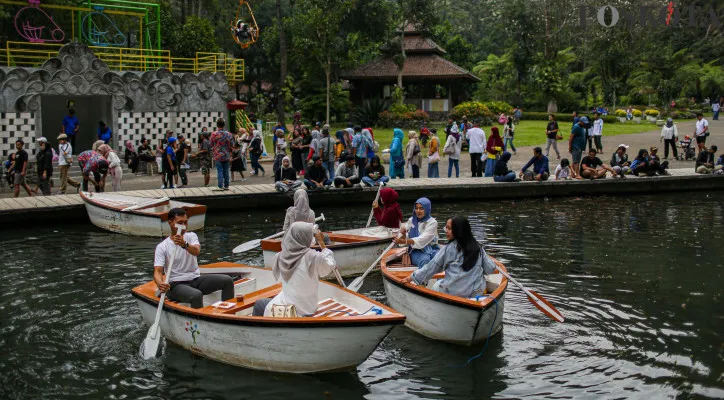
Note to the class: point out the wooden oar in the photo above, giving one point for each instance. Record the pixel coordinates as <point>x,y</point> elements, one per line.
<point>372,212</point>
<point>252,244</point>
<point>538,301</point>
<point>149,347</point>
<point>146,204</point>
<point>357,283</point>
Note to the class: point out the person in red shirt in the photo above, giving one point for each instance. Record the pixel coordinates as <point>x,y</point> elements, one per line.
<point>389,214</point>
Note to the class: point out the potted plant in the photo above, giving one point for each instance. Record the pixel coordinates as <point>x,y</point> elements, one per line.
<point>651,115</point>
<point>621,115</point>
<point>637,115</point>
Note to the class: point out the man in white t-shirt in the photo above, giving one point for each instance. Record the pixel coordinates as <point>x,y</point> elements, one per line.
<point>701,131</point>
<point>476,147</point>
<point>65,159</point>
<point>186,284</point>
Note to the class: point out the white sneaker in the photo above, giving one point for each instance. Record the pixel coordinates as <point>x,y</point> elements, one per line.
<point>163,186</point>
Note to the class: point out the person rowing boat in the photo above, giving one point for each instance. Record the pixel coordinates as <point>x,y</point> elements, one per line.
<point>422,229</point>
<point>300,211</point>
<point>388,212</point>
<point>299,268</point>
<point>186,284</point>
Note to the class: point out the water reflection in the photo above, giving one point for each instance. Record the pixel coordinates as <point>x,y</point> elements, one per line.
<point>638,279</point>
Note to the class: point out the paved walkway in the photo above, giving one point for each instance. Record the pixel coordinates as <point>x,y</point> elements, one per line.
<point>636,141</point>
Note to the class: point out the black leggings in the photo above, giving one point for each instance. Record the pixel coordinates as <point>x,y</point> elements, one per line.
<point>193,291</point>
<point>476,165</point>
<point>672,143</point>
<point>169,176</point>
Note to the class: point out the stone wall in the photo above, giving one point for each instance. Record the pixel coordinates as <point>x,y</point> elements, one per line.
<point>14,126</point>
<point>152,125</point>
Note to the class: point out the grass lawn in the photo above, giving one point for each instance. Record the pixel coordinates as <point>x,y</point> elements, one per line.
<point>527,133</point>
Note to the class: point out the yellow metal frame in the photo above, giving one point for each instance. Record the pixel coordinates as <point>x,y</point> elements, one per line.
<point>26,54</point>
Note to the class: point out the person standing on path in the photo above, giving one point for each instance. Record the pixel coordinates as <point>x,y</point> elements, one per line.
<point>221,153</point>
<point>493,148</point>
<point>453,146</point>
<point>509,135</point>
<point>433,158</point>
<point>413,154</point>
<point>552,136</point>
<point>577,143</point>
<point>327,151</point>
<point>65,159</point>
<point>104,132</point>
<point>182,159</point>
<point>71,126</point>
<point>204,156</point>
<point>256,149</point>
<point>361,143</point>
<point>517,115</point>
<point>20,166</point>
<point>597,131</point>
<point>44,161</point>
<point>670,136</point>
<point>716,107</point>
<point>169,163</point>
<point>397,161</point>
<point>701,131</point>
<point>476,143</point>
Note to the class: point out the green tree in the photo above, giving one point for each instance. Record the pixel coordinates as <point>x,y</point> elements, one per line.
<point>550,75</point>
<point>196,35</point>
<point>498,77</point>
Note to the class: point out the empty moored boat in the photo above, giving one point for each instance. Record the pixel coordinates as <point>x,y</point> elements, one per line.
<point>138,216</point>
<point>344,331</point>
<point>354,249</point>
<point>441,316</point>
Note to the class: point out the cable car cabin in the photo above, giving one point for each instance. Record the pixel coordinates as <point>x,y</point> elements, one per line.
<point>245,30</point>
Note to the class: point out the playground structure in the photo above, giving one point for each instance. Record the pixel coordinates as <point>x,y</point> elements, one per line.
<point>92,23</point>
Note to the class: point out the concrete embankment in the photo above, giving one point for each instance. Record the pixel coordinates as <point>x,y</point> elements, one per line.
<point>70,208</point>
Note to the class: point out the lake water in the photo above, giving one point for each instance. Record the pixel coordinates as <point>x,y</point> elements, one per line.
<point>639,280</point>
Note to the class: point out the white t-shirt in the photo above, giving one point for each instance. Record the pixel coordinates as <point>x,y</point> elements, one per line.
<point>302,289</point>
<point>561,173</point>
<point>598,127</point>
<point>715,107</point>
<point>66,150</point>
<point>185,266</point>
<point>700,125</point>
<point>476,140</point>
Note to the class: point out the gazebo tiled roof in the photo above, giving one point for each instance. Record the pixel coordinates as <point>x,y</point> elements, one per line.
<point>430,66</point>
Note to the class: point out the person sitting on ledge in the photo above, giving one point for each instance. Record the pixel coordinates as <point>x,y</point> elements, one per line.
<point>640,164</point>
<point>540,171</point>
<point>501,172</point>
<point>719,167</point>
<point>186,284</point>
<point>705,161</point>
<point>315,177</point>
<point>593,168</point>
<point>655,162</point>
<point>346,174</point>
<point>375,173</point>
<point>619,161</point>
<point>286,177</point>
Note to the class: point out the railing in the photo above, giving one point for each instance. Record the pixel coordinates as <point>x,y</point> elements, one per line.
<point>24,54</point>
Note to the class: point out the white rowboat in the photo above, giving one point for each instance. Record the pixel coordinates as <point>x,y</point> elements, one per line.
<point>345,330</point>
<point>354,249</point>
<point>138,216</point>
<point>441,316</point>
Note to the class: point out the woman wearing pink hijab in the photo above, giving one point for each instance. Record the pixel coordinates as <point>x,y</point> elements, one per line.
<point>114,165</point>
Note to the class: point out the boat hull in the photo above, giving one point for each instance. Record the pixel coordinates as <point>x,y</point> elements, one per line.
<point>136,224</point>
<point>281,348</point>
<point>442,321</point>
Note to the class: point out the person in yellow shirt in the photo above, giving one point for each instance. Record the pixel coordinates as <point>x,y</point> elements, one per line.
<point>494,147</point>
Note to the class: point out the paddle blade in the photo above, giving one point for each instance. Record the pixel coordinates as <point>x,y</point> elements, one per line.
<point>149,347</point>
<point>356,284</point>
<point>250,245</point>
<point>545,306</point>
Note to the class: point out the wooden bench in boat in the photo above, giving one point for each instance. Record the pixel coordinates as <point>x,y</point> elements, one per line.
<point>332,308</point>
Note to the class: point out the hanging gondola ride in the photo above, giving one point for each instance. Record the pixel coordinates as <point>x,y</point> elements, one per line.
<point>245,30</point>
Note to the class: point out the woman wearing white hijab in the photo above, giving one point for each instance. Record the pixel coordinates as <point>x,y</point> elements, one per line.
<point>299,268</point>
<point>300,211</point>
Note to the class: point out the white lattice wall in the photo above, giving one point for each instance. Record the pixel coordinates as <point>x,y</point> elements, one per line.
<point>153,125</point>
<point>14,126</point>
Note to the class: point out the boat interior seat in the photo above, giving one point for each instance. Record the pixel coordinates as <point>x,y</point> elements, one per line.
<point>330,307</point>
<point>244,286</point>
<point>492,281</point>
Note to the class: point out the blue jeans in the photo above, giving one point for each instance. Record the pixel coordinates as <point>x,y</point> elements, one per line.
<point>509,177</point>
<point>507,141</point>
<point>450,164</point>
<point>433,170</point>
<point>329,166</point>
<point>371,182</point>
<point>420,258</point>
<point>489,167</point>
<point>716,116</point>
<point>222,173</point>
<point>313,186</point>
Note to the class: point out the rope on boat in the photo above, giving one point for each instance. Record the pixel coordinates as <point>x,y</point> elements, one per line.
<point>477,298</point>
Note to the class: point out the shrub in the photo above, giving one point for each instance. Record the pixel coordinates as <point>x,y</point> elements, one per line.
<point>402,108</point>
<point>620,113</point>
<point>652,112</point>
<point>405,119</point>
<point>637,113</point>
<point>498,107</point>
<point>369,112</point>
<point>475,111</point>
